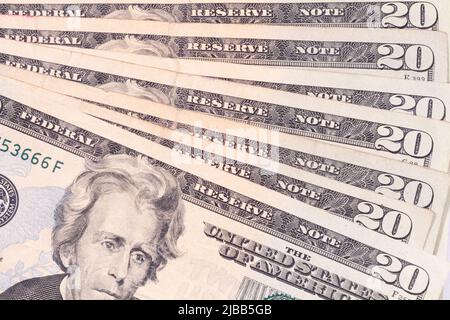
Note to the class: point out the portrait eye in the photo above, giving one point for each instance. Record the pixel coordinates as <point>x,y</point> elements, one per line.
<point>109,245</point>
<point>139,257</point>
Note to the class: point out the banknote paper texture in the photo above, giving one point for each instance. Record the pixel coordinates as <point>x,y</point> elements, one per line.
<point>357,14</point>
<point>424,99</point>
<point>285,180</point>
<point>428,15</point>
<point>419,198</point>
<point>422,143</point>
<point>372,52</point>
<point>214,149</point>
<point>288,157</point>
<point>206,233</point>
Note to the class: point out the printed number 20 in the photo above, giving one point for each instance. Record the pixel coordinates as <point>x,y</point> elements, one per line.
<point>412,279</point>
<point>422,15</point>
<point>415,57</point>
<point>414,192</point>
<point>427,107</point>
<point>417,144</point>
<point>396,225</point>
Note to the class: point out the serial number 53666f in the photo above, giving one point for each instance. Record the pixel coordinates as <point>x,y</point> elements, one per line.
<point>27,154</point>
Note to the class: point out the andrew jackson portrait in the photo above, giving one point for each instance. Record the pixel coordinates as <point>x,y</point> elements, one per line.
<point>116,226</point>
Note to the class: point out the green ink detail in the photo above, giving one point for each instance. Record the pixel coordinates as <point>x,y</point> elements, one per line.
<point>280,296</point>
<point>36,158</point>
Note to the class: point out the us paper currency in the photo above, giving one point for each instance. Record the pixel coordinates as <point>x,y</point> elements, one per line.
<point>272,150</point>
<point>417,198</point>
<point>387,183</point>
<point>422,99</point>
<point>205,123</point>
<point>296,265</point>
<point>410,139</point>
<point>332,13</point>
<point>357,14</point>
<point>419,55</point>
<point>279,155</point>
<point>336,198</point>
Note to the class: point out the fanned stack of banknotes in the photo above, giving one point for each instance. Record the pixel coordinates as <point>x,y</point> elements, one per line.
<point>204,149</point>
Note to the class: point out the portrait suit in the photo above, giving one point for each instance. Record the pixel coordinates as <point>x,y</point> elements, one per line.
<point>43,288</point>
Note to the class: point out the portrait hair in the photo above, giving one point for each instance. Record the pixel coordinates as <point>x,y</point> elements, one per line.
<point>156,191</point>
